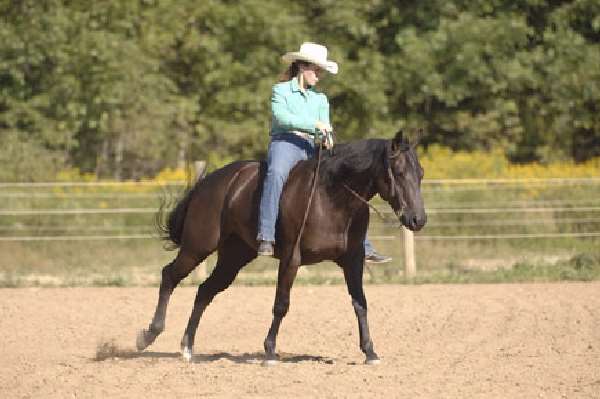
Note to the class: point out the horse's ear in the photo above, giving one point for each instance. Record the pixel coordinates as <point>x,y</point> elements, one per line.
<point>399,142</point>
<point>399,136</point>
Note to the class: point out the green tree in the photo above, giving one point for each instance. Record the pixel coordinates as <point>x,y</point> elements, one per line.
<point>125,88</point>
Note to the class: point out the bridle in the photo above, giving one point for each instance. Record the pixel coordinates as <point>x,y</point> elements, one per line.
<point>390,155</point>
<point>393,191</point>
<point>315,181</point>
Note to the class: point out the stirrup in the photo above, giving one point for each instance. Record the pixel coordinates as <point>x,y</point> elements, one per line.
<point>374,257</point>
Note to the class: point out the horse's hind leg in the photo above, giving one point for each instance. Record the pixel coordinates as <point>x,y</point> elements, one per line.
<point>233,255</point>
<point>172,274</point>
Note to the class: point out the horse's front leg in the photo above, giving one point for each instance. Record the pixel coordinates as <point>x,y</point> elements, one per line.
<point>286,275</point>
<point>353,273</point>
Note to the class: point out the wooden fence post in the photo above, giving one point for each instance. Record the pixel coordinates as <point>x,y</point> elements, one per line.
<point>410,266</point>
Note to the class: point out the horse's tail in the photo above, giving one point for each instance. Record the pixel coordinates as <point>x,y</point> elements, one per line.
<point>171,229</point>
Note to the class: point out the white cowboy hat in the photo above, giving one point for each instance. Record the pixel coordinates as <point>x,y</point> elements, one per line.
<point>313,53</point>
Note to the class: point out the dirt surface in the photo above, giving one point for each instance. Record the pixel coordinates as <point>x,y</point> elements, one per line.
<point>487,341</point>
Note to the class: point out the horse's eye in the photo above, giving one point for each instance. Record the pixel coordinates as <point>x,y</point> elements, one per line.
<point>398,172</point>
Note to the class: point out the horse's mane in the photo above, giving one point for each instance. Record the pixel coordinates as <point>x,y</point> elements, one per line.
<point>349,158</point>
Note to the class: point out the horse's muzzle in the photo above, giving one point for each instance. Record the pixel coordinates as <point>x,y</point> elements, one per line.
<point>412,220</point>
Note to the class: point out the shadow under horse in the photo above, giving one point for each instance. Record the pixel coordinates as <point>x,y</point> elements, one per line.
<point>221,213</point>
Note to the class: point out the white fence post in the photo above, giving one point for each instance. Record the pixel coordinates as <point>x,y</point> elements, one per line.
<point>200,168</point>
<point>410,266</point>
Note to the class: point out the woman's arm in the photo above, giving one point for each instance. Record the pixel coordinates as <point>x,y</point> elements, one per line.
<point>284,117</point>
<point>324,111</point>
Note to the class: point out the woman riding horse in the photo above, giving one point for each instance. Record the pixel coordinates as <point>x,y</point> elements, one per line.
<point>298,114</point>
<point>220,213</point>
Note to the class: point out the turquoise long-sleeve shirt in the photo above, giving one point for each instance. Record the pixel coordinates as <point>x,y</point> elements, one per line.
<point>293,109</point>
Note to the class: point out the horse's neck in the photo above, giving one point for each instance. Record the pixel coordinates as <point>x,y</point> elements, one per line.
<point>353,193</point>
<point>364,187</point>
<point>359,167</point>
<point>350,176</point>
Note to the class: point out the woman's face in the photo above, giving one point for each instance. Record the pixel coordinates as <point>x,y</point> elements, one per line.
<point>311,73</point>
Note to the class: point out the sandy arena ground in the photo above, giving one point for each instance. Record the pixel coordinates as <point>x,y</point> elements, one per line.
<point>435,341</point>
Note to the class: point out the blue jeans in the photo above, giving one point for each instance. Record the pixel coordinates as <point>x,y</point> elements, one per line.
<point>285,151</point>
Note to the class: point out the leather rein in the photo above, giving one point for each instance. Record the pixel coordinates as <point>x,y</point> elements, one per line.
<point>392,188</point>
<point>310,199</point>
<point>314,186</point>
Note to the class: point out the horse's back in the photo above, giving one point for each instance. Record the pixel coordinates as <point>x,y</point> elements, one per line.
<point>227,202</point>
<point>213,200</point>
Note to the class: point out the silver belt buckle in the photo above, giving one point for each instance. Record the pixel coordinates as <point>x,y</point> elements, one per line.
<point>304,135</point>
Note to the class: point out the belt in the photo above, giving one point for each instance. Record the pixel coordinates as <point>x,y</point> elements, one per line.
<point>298,133</point>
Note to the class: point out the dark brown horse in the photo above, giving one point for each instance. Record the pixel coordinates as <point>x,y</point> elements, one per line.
<point>221,212</point>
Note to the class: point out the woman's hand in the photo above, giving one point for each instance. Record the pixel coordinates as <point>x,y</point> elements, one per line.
<point>324,127</point>
<point>327,132</point>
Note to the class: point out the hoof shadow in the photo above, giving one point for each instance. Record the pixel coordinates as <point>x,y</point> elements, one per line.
<point>109,351</point>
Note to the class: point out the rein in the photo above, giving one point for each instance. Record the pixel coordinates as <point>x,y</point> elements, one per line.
<point>310,198</point>
<point>314,186</point>
<point>392,188</point>
<point>357,195</point>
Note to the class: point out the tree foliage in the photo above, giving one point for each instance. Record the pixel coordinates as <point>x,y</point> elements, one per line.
<point>126,88</point>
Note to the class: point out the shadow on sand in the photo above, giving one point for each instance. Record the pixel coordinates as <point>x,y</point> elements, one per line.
<point>258,357</point>
<point>109,350</point>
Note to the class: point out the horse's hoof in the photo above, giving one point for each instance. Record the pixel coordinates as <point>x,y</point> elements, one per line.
<point>186,354</point>
<point>373,362</point>
<point>270,362</point>
<point>140,341</point>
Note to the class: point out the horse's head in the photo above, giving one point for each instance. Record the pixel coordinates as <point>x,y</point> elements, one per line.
<point>400,184</point>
